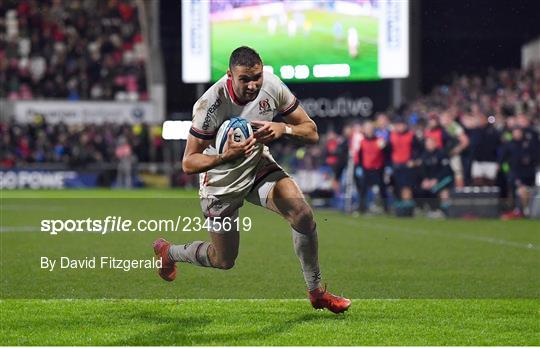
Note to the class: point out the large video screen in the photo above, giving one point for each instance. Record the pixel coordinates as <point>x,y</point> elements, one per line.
<point>304,41</point>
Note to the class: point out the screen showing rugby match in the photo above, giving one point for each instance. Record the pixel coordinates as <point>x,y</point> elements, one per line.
<point>303,41</point>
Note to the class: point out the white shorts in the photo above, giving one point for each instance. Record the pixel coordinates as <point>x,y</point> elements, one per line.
<point>457,167</point>
<point>227,206</point>
<point>486,170</point>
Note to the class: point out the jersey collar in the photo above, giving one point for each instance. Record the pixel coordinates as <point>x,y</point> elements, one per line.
<point>231,93</point>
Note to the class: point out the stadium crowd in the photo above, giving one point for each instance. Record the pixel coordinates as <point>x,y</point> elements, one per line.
<point>474,131</point>
<point>75,50</point>
<point>78,146</point>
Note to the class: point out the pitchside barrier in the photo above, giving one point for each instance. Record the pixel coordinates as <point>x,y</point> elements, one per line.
<point>485,202</point>
<point>61,177</point>
<point>535,204</point>
<point>474,202</point>
<point>80,112</point>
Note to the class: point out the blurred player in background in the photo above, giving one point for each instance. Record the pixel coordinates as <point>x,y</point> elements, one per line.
<point>335,154</point>
<point>352,42</point>
<point>484,165</point>
<point>459,141</point>
<point>404,150</point>
<point>522,157</point>
<point>435,131</point>
<point>383,126</point>
<point>437,177</point>
<point>372,161</point>
<point>247,170</point>
<point>124,154</point>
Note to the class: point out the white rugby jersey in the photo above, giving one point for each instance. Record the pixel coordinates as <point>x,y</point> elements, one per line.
<point>219,103</point>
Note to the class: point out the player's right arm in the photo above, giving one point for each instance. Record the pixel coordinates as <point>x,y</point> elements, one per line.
<point>195,161</point>
<point>205,125</point>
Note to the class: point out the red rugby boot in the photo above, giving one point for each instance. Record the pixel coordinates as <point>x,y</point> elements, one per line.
<point>168,266</point>
<point>320,298</point>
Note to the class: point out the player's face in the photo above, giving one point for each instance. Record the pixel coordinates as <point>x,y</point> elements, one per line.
<point>246,81</point>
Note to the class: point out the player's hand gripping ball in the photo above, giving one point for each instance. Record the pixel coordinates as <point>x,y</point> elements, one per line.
<point>241,131</point>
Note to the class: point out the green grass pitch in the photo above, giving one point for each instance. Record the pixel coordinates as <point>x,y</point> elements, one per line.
<point>412,281</point>
<point>318,47</point>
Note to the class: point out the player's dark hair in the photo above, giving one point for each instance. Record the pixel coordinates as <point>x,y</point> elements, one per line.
<point>244,56</point>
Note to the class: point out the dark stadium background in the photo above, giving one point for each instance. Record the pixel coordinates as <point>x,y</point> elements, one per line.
<point>469,280</point>
<point>476,39</point>
<point>454,37</point>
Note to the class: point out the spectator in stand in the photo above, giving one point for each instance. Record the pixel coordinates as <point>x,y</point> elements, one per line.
<point>434,131</point>
<point>404,151</point>
<point>141,142</point>
<point>383,126</point>
<point>458,142</point>
<point>522,157</point>
<point>372,161</point>
<point>436,177</point>
<point>72,50</point>
<point>382,122</point>
<point>334,155</point>
<point>529,133</point>
<point>8,159</point>
<point>75,146</point>
<point>470,127</point>
<point>484,152</point>
<point>125,164</point>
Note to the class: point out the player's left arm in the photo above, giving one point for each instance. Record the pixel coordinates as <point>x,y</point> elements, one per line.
<point>298,125</point>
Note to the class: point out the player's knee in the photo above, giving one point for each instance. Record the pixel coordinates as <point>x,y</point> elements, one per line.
<point>303,219</point>
<point>225,264</point>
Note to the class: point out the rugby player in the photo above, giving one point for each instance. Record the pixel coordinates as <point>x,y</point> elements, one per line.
<point>371,159</point>
<point>404,151</point>
<point>247,170</point>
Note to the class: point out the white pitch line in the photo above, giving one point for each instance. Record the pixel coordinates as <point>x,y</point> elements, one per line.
<point>4,229</point>
<point>31,207</point>
<point>528,246</point>
<point>210,299</point>
<point>29,228</point>
<point>496,241</point>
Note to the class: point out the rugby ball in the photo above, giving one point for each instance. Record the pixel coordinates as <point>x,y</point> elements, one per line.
<point>241,131</point>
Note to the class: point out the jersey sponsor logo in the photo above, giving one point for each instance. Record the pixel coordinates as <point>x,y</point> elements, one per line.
<point>264,106</point>
<point>211,110</point>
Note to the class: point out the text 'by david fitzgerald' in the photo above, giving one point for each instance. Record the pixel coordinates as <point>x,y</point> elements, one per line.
<point>101,262</point>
